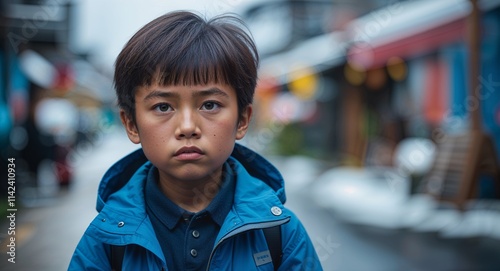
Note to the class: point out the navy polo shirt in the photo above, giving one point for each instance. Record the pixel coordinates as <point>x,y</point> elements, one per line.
<point>187,238</point>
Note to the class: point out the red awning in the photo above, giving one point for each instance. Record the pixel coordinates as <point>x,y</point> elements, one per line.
<point>407,29</point>
<point>420,43</point>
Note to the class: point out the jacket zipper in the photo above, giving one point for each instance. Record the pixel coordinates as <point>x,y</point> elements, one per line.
<point>243,229</point>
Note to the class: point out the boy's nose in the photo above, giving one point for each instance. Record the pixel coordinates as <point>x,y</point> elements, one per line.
<point>187,127</point>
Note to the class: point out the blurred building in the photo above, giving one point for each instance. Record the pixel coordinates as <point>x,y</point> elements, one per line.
<point>398,71</point>
<point>352,93</point>
<point>52,99</point>
<point>299,39</point>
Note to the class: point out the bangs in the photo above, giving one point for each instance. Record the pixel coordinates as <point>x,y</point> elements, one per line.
<point>197,64</point>
<point>207,53</point>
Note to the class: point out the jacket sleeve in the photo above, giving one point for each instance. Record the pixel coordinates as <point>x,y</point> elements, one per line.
<point>298,250</point>
<point>90,254</point>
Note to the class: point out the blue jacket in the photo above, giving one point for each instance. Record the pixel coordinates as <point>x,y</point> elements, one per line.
<point>122,220</point>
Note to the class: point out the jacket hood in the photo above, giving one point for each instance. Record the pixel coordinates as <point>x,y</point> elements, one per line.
<point>122,171</point>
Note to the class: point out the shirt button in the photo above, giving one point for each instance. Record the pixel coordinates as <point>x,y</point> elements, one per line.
<point>194,253</point>
<point>196,234</point>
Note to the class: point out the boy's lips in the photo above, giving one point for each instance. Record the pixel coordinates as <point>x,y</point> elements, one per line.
<point>188,153</point>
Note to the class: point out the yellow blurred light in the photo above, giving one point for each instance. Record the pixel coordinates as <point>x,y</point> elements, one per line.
<point>303,83</point>
<point>354,74</point>
<point>396,67</point>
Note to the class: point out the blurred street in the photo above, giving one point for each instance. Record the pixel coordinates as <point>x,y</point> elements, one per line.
<point>382,116</point>
<point>47,234</point>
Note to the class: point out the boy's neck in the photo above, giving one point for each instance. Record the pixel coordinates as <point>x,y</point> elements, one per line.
<point>192,196</point>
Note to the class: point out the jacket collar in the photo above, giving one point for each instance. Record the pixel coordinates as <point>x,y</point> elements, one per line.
<point>254,166</point>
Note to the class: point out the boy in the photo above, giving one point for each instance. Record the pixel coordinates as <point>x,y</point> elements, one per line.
<point>191,198</point>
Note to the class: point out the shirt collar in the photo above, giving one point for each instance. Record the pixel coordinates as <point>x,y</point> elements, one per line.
<point>160,205</point>
<point>170,214</point>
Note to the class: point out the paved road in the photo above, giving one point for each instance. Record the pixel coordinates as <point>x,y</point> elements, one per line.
<point>48,234</point>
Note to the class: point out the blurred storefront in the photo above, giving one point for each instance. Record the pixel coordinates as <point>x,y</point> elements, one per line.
<point>402,106</point>
<point>422,47</point>
<point>397,72</point>
<point>365,95</point>
<point>52,100</point>
<point>299,42</point>
<point>440,86</point>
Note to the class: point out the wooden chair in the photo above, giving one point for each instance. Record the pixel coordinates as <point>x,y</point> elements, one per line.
<point>459,162</point>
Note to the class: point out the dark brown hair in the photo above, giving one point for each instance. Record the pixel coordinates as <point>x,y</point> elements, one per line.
<point>183,48</point>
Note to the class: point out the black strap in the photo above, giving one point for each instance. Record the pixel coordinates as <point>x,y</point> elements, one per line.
<point>117,253</point>
<point>273,239</point>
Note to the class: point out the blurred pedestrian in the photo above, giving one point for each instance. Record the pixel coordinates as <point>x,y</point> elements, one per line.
<point>191,198</point>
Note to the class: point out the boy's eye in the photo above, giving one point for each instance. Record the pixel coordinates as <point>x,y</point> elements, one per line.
<point>163,107</point>
<point>209,106</point>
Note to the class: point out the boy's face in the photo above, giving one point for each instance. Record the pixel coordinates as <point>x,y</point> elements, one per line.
<point>187,132</point>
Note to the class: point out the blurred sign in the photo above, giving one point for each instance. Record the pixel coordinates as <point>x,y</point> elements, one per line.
<point>38,69</point>
<point>57,117</point>
<point>289,108</point>
<point>303,83</point>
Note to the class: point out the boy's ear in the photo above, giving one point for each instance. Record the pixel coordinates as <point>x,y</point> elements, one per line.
<point>130,127</point>
<point>244,122</point>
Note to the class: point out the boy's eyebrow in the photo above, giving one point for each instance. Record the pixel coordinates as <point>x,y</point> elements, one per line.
<point>160,94</point>
<point>197,93</point>
<point>210,92</point>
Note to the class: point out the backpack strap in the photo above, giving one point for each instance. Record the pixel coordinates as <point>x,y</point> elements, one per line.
<point>116,260</point>
<point>273,239</point>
